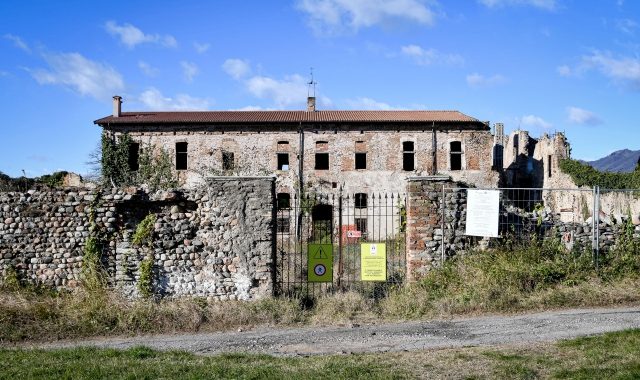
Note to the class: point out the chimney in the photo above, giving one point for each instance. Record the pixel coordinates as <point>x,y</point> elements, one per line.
<point>117,106</point>
<point>311,104</point>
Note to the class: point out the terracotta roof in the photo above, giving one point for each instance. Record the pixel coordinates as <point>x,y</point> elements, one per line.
<point>284,116</point>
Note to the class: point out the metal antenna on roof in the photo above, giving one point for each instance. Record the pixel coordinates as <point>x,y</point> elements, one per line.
<point>311,83</point>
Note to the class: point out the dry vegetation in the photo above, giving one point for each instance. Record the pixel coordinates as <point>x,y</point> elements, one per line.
<point>537,276</point>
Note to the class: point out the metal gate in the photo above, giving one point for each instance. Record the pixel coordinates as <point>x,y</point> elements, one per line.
<point>346,221</point>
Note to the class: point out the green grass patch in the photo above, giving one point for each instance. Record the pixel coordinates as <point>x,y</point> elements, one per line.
<point>611,356</point>
<point>144,363</point>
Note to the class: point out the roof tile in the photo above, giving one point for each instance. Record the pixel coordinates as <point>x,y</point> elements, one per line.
<point>284,116</point>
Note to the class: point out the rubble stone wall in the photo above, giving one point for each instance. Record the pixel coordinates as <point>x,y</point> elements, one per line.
<point>433,234</point>
<point>215,241</point>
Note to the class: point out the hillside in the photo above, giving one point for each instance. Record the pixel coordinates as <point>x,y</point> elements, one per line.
<point>623,161</point>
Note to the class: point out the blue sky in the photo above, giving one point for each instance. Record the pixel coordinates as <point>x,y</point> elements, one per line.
<point>541,65</point>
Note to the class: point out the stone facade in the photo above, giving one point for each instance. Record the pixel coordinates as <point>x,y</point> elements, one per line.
<point>320,152</point>
<point>215,241</point>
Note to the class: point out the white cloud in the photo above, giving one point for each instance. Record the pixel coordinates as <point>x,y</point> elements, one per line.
<point>625,71</point>
<point>87,77</point>
<point>4,74</point>
<point>291,90</point>
<point>190,70</point>
<point>583,117</point>
<point>431,56</point>
<point>564,70</point>
<point>546,4</point>
<point>476,80</point>
<point>236,68</point>
<point>626,26</point>
<point>147,69</point>
<point>253,108</point>
<point>18,42</point>
<point>132,36</point>
<point>333,16</point>
<point>153,99</point>
<point>201,48</point>
<point>535,121</point>
<point>370,104</point>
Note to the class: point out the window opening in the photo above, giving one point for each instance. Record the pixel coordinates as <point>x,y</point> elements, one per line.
<point>549,165</point>
<point>361,200</point>
<point>283,161</point>
<point>134,154</point>
<point>361,161</point>
<point>322,223</point>
<point>181,156</point>
<point>322,155</point>
<point>284,225</point>
<point>361,225</point>
<point>322,161</point>
<point>227,160</point>
<point>284,201</point>
<point>408,156</point>
<point>455,148</point>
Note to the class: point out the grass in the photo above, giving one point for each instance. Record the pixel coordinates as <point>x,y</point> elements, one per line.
<point>512,278</point>
<point>611,356</point>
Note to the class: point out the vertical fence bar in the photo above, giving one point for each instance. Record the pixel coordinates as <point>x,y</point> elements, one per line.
<point>442,224</point>
<point>598,234</point>
<point>340,240</point>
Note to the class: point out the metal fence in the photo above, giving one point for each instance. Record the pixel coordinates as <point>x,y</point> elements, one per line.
<point>344,221</point>
<point>581,219</point>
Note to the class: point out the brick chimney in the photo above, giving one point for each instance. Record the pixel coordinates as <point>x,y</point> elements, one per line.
<point>311,104</point>
<point>117,106</point>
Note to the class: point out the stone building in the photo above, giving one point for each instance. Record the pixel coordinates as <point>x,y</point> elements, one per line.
<point>360,151</point>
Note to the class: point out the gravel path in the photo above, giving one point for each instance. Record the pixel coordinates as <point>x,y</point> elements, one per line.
<point>482,331</point>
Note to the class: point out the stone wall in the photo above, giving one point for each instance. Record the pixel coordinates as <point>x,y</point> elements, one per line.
<point>214,241</point>
<point>434,234</point>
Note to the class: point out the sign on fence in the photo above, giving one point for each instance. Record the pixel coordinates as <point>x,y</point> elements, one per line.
<point>320,263</point>
<point>373,262</point>
<point>483,212</point>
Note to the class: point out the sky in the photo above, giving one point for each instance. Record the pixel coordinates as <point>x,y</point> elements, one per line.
<point>540,65</point>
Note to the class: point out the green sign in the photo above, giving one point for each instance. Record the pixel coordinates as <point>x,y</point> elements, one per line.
<point>320,263</point>
<point>373,262</point>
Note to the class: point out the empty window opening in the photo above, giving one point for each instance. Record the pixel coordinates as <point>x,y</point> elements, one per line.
<point>322,223</point>
<point>322,161</point>
<point>549,165</point>
<point>134,149</point>
<point>284,225</point>
<point>455,155</point>
<point>361,161</point>
<point>498,156</point>
<point>228,160</point>
<point>284,201</point>
<point>361,200</point>
<point>408,156</point>
<point>361,225</point>
<point>181,156</point>
<point>283,161</point>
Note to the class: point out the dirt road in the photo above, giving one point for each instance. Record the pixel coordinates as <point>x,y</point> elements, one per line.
<point>482,331</point>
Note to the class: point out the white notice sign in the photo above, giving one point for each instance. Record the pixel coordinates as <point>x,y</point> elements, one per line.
<point>483,212</point>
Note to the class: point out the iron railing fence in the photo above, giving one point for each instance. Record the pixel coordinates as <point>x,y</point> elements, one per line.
<point>345,221</point>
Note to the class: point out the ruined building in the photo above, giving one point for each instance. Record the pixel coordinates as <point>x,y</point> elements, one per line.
<point>362,151</point>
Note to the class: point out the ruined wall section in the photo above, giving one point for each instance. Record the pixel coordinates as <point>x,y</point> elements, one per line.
<point>214,241</point>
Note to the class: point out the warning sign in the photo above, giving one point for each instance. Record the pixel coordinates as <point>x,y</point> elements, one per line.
<point>320,263</point>
<point>373,262</point>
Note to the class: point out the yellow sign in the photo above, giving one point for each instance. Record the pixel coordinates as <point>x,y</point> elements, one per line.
<point>373,262</point>
<point>320,263</point>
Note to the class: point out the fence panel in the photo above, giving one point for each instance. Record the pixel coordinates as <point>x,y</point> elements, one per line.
<point>345,221</point>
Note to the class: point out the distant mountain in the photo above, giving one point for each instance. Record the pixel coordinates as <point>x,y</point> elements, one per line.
<point>623,161</point>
